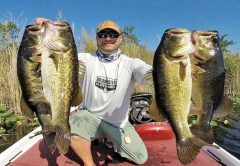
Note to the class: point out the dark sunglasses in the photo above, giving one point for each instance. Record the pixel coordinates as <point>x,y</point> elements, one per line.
<point>111,34</point>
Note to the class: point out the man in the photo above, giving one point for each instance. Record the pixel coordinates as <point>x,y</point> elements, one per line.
<point>107,87</point>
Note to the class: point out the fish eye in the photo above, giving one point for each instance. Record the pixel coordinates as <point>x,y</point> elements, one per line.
<point>166,36</point>
<point>215,38</point>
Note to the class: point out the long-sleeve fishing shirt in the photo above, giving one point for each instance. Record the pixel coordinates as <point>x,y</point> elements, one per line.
<point>107,86</point>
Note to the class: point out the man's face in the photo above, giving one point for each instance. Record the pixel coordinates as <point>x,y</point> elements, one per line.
<point>108,41</point>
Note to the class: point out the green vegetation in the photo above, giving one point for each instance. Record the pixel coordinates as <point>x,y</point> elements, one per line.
<point>130,37</point>
<point>8,34</point>
<point>13,126</point>
<point>226,43</point>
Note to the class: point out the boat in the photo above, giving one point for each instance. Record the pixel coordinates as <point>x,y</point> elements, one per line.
<point>157,136</point>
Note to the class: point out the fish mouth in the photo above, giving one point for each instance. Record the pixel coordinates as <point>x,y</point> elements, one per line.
<point>178,44</point>
<point>197,58</point>
<point>177,58</point>
<point>181,36</point>
<point>35,29</point>
<point>205,44</point>
<point>211,35</point>
<point>53,26</point>
<point>52,36</point>
<point>177,31</point>
<point>61,25</point>
<point>206,33</point>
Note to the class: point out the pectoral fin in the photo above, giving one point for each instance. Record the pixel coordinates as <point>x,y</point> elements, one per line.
<point>37,70</point>
<point>194,110</point>
<point>36,58</point>
<point>197,69</point>
<point>149,82</point>
<point>81,70</point>
<point>149,76</point>
<point>55,59</point>
<point>155,113</point>
<point>182,71</point>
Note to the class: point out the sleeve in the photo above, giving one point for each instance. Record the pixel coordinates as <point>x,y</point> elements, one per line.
<point>140,70</point>
<point>83,60</point>
<point>84,57</point>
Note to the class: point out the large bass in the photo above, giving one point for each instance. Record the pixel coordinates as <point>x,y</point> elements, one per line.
<point>59,71</point>
<point>29,76</point>
<point>173,88</point>
<point>208,87</point>
<point>57,79</point>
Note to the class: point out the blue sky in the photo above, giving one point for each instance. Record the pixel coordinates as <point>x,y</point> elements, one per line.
<point>150,17</point>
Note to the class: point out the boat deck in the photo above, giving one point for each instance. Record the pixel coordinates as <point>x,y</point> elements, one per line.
<point>160,153</point>
<point>161,149</point>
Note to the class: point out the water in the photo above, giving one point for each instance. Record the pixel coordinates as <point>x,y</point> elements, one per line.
<point>14,133</point>
<point>228,135</point>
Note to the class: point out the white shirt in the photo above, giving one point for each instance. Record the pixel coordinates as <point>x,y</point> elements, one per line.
<point>107,86</point>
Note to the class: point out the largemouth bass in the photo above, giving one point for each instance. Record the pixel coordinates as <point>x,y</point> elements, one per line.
<point>173,87</point>
<point>208,87</point>
<point>29,76</point>
<point>59,72</point>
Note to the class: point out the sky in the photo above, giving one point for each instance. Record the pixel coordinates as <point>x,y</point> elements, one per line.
<point>149,17</point>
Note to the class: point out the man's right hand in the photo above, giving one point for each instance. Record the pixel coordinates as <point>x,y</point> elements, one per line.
<point>39,20</point>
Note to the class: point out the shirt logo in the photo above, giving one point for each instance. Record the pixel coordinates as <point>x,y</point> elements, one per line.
<point>106,84</point>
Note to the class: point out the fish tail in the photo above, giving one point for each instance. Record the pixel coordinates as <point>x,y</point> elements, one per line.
<point>204,132</point>
<point>48,136</point>
<point>56,138</point>
<point>188,149</point>
<point>49,141</point>
<point>62,140</point>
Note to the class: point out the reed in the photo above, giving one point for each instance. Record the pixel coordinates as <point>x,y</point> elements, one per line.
<point>9,86</point>
<point>86,43</point>
<point>232,88</point>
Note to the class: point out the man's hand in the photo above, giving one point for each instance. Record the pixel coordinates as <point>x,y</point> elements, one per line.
<point>39,20</point>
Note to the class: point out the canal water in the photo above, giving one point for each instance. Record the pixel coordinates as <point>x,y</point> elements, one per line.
<point>227,134</point>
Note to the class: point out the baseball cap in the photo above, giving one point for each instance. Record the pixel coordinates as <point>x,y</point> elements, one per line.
<point>108,25</point>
